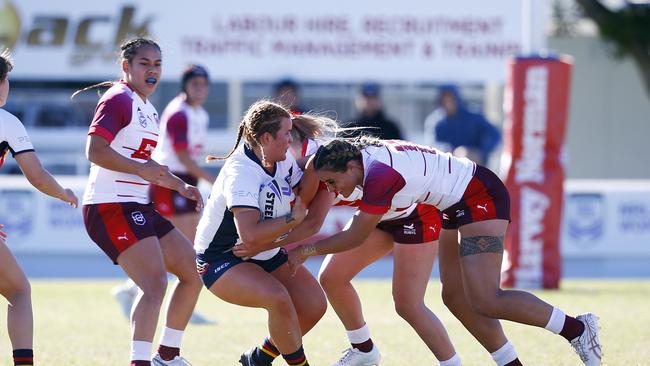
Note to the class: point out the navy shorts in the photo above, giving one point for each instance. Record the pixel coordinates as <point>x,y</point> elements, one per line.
<point>485,198</point>
<point>211,271</point>
<point>116,226</point>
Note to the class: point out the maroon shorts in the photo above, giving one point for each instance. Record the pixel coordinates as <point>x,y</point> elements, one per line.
<point>116,226</point>
<point>421,226</point>
<point>169,202</point>
<point>485,198</point>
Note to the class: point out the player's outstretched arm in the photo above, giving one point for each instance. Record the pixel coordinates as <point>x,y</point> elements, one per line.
<point>42,180</point>
<point>354,235</point>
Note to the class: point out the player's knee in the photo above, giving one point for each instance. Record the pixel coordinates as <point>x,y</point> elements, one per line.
<point>18,291</point>
<point>278,301</point>
<point>408,308</point>
<point>453,298</point>
<point>330,280</point>
<point>486,305</point>
<point>153,288</point>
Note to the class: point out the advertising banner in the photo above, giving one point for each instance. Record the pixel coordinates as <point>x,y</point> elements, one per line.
<point>536,105</point>
<point>409,40</point>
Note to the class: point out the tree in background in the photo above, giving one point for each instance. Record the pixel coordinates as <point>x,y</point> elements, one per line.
<point>627,28</point>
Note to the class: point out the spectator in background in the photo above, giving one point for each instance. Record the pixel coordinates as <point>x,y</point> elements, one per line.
<point>287,93</point>
<point>371,115</point>
<point>455,128</point>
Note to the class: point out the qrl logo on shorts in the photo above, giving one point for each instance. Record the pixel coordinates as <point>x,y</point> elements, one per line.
<point>138,218</point>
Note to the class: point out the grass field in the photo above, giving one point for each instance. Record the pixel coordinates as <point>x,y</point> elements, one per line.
<point>79,323</point>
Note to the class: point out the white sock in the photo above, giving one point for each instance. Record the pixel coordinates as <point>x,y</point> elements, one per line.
<point>556,322</point>
<point>359,335</point>
<point>140,351</point>
<point>504,354</point>
<point>171,337</point>
<point>454,361</point>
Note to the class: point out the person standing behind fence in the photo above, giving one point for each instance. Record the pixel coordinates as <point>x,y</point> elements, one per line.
<point>453,127</point>
<point>118,214</point>
<point>287,94</point>
<point>14,285</point>
<point>372,115</point>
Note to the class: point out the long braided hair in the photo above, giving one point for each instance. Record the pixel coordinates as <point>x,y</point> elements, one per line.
<point>128,50</point>
<point>261,117</point>
<point>335,155</point>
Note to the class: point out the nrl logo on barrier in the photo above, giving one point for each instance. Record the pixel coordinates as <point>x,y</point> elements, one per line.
<point>585,216</point>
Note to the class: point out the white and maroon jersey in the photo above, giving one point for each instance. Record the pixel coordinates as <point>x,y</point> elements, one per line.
<point>399,174</point>
<point>13,136</point>
<point>182,127</point>
<point>238,185</point>
<point>310,146</point>
<point>130,125</point>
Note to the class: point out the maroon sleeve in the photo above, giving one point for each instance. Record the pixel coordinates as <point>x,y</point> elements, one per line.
<point>177,130</point>
<point>381,184</point>
<point>113,113</point>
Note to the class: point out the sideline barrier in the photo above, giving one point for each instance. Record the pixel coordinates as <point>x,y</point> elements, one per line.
<point>602,219</point>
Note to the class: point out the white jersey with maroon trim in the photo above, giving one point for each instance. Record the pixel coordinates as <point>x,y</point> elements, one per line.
<point>130,125</point>
<point>238,185</point>
<point>310,146</point>
<point>13,136</point>
<point>399,174</point>
<point>181,127</point>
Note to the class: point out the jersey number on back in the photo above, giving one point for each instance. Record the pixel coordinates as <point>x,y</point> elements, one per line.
<point>145,149</point>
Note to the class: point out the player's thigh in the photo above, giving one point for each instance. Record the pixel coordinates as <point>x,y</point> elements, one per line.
<point>143,262</point>
<point>449,260</point>
<point>178,253</point>
<point>248,284</point>
<point>481,256</point>
<point>412,269</point>
<point>186,223</point>
<point>303,288</point>
<point>12,277</point>
<point>344,266</point>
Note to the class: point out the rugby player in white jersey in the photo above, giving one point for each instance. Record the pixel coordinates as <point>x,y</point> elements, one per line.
<point>183,133</point>
<point>119,216</point>
<point>474,203</point>
<point>14,285</point>
<point>233,215</point>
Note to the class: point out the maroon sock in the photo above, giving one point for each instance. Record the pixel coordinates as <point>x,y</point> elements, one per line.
<point>364,346</point>
<point>572,328</point>
<point>168,353</point>
<point>514,362</point>
<point>140,363</point>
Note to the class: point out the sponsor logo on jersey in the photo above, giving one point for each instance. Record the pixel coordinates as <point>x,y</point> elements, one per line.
<point>138,218</point>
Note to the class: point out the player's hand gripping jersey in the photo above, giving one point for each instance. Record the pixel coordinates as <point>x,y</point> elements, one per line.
<point>130,125</point>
